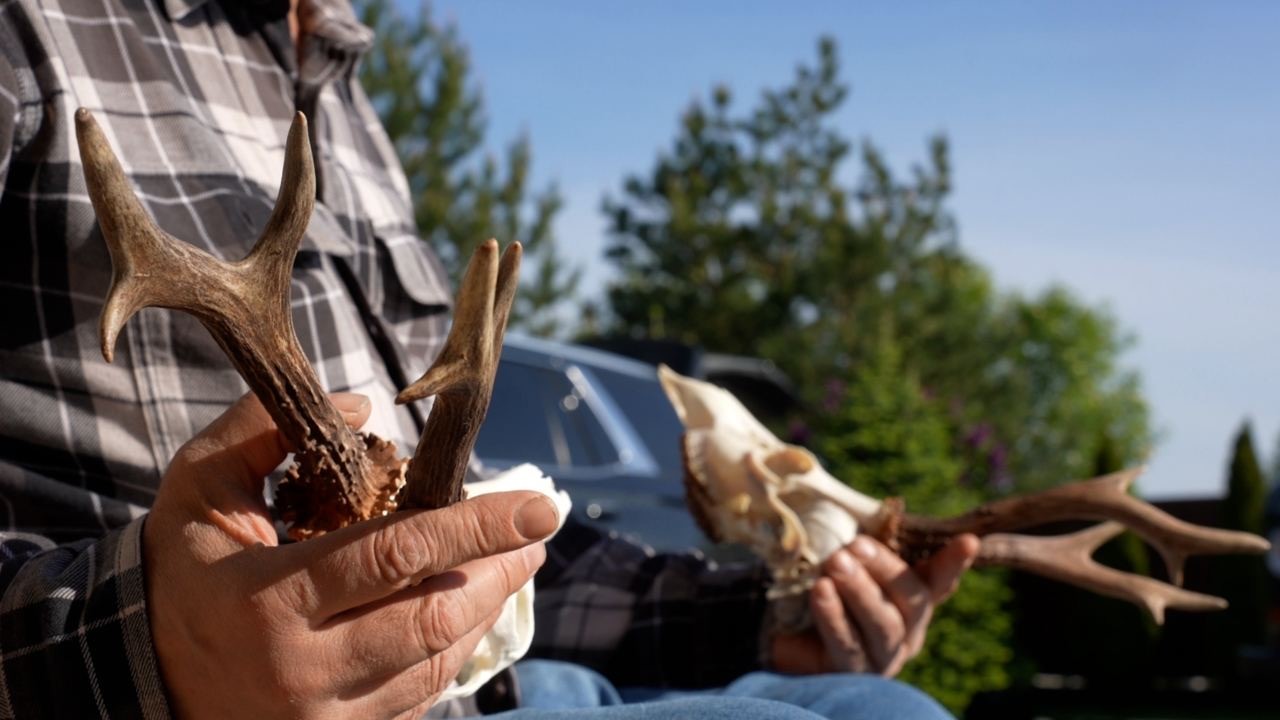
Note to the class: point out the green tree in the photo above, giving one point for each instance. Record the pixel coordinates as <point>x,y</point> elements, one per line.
<point>887,438</point>
<point>1273,473</point>
<point>922,379</point>
<point>418,76</point>
<point>1243,580</point>
<point>1059,628</point>
<point>745,237</point>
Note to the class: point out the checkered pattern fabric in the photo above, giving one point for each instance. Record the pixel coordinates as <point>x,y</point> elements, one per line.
<point>196,97</point>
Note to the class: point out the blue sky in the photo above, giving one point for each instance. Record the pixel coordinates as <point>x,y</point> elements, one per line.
<point>1128,151</point>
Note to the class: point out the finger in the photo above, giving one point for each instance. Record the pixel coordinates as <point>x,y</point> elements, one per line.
<point>878,620</point>
<point>896,579</point>
<point>242,443</point>
<point>799,654</point>
<point>368,561</point>
<point>401,631</point>
<point>422,684</point>
<point>840,639</point>
<point>354,407</point>
<point>245,443</point>
<point>942,572</point>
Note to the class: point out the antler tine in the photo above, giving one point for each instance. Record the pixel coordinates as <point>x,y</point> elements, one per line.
<point>1102,498</point>
<point>245,306</point>
<point>462,379</point>
<point>1068,558</point>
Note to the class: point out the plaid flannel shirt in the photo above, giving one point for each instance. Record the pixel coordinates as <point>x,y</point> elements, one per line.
<point>196,97</point>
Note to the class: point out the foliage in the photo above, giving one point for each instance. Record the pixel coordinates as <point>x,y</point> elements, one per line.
<point>746,238</point>
<point>1242,579</point>
<point>920,378</point>
<point>888,439</point>
<point>418,76</point>
<point>1059,628</point>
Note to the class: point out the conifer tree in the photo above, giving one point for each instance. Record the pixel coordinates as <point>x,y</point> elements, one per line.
<point>885,438</point>
<point>418,76</point>
<point>1060,628</point>
<point>1243,580</point>
<point>747,236</point>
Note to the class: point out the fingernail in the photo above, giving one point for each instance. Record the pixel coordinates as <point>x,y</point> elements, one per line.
<point>842,564</point>
<point>864,548</point>
<point>537,518</point>
<point>349,403</point>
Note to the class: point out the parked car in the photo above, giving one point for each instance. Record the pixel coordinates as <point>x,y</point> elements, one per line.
<point>600,425</point>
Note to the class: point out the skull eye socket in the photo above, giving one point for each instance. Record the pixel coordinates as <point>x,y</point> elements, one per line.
<point>790,461</point>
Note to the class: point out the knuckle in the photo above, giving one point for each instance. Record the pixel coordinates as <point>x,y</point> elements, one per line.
<point>895,629</point>
<point>914,646</point>
<point>189,455</point>
<point>511,572</point>
<point>849,655</point>
<point>917,600</point>
<point>441,622</point>
<point>526,563</point>
<point>481,528</point>
<point>397,553</point>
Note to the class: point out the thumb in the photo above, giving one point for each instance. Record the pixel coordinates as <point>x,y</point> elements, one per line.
<point>942,571</point>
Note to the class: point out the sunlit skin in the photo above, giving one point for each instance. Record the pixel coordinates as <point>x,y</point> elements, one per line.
<point>370,621</point>
<point>871,610</point>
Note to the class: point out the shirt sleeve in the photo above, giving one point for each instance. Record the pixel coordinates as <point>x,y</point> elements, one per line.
<point>645,619</point>
<point>74,636</point>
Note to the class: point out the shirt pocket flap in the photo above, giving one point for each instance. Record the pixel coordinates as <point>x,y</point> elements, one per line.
<point>324,234</point>
<point>421,274</point>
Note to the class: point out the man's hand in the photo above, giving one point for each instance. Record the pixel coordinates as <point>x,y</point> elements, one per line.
<point>871,610</point>
<point>373,620</point>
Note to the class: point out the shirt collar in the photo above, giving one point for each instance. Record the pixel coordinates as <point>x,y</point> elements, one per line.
<point>335,23</point>
<point>333,20</point>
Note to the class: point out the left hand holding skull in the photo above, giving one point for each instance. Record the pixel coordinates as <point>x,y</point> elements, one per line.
<point>871,610</point>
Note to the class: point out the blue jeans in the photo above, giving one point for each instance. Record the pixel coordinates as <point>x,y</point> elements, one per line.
<point>554,689</point>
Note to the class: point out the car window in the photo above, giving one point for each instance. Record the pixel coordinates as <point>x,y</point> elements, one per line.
<point>585,435</point>
<point>538,416</point>
<point>519,426</point>
<point>651,414</point>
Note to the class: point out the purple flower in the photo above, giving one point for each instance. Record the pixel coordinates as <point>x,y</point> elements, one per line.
<point>833,394</point>
<point>799,433</point>
<point>978,435</point>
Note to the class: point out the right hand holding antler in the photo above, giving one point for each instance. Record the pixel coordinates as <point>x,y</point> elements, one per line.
<point>373,620</point>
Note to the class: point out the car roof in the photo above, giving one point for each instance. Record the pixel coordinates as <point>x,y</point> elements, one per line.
<point>524,348</point>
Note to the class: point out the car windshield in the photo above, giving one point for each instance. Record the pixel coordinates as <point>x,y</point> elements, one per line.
<point>538,416</point>
<point>651,414</point>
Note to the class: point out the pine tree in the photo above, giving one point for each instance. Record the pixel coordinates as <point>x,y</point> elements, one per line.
<point>747,237</point>
<point>1243,580</point>
<point>418,76</point>
<point>887,439</point>
<point>1059,628</point>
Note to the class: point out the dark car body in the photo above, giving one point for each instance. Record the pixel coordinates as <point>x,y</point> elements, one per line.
<point>601,427</point>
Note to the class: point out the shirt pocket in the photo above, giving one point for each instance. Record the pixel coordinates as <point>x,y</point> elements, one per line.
<point>416,297</point>
<point>406,290</point>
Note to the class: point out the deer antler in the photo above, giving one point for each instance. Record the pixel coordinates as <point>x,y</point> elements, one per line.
<point>1102,498</point>
<point>339,477</point>
<point>462,378</point>
<point>1068,557</point>
<point>745,485</point>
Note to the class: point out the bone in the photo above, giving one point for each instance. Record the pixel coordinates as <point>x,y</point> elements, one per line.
<point>462,378</point>
<point>745,485</point>
<point>339,477</point>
